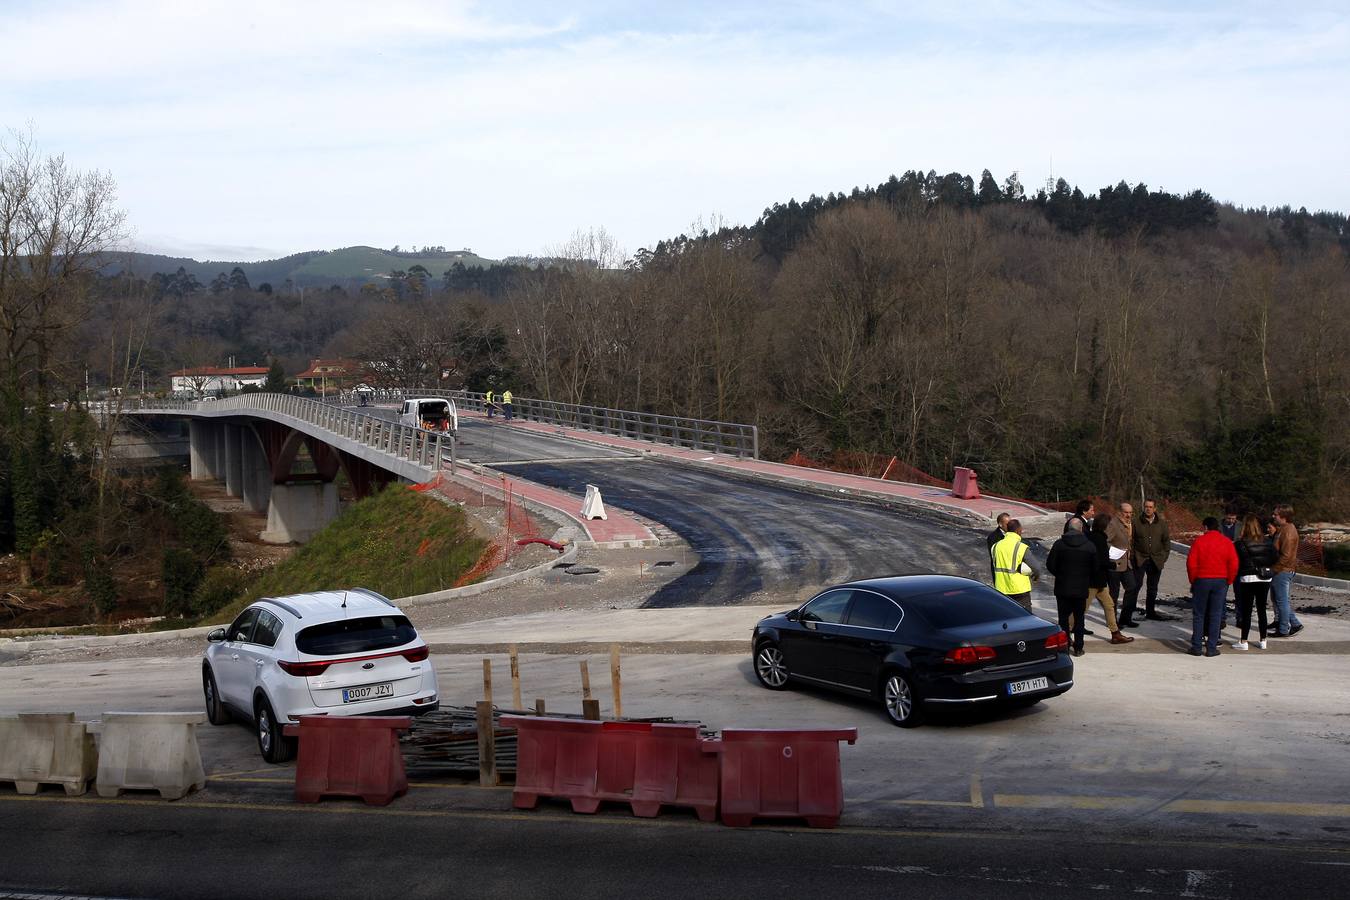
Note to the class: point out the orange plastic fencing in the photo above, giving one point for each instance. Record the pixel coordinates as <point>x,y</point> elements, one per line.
<point>872,465</point>
<point>503,509</point>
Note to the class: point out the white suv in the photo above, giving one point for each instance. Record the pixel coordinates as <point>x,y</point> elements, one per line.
<point>332,653</point>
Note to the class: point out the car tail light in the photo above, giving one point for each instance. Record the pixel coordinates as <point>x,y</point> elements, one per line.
<point>1057,641</point>
<point>968,656</point>
<point>304,669</point>
<point>417,654</point>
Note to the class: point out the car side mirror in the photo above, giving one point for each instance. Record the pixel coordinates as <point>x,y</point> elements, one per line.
<point>794,615</point>
<point>215,635</point>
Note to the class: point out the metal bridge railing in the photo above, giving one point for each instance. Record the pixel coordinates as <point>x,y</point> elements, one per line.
<point>706,435</point>
<point>414,445</point>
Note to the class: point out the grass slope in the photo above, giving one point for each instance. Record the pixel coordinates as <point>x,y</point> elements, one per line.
<point>397,542</point>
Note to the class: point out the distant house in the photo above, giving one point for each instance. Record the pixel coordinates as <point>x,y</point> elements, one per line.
<point>327,375</point>
<point>211,380</point>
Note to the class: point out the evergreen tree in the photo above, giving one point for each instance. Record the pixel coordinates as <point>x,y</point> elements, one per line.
<point>276,378</point>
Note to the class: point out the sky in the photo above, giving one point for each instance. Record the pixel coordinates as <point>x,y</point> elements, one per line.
<point>250,129</point>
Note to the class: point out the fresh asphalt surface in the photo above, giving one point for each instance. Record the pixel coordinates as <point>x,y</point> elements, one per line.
<point>194,848</point>
<point>756,539</point>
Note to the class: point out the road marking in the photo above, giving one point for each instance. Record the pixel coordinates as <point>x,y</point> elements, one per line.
<point>1216,807</point>
<point>1257,807</point>
<point>976,791</point>
<point>230,779</point>
<point>1068,801</point>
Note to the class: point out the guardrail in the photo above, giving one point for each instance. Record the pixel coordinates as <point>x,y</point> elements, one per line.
<point>706,435</point>
<point>414,445</point>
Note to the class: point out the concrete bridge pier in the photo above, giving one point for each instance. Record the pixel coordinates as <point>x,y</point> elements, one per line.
<point>299,510</point>
<point>234,463</point>
<point>256,472</point>
<point>202,449</point>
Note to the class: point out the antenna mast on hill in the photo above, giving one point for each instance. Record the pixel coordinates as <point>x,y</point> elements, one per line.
<point>1050,179</point>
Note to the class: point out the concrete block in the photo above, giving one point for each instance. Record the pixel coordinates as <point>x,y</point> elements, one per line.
<point>46,748</point>
<point>150,752</point>
<point>593,507</point>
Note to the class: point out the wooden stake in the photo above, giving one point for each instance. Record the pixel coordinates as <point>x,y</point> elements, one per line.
<point>487,745</point>
<point>590,709</point>
<point>515,680</point>
<point>487,681</point>
<point>539,706</point>
<point>614,680</point>
<point>585,681</point>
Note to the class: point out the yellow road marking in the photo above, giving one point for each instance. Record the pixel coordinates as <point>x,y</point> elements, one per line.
<point>1258,807</point>
<point>1067,801</point>
<point>231,779</point>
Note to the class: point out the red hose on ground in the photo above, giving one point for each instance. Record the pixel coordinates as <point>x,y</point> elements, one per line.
<point>547,543</point>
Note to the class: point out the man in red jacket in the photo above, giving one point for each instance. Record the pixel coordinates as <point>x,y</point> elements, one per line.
<point>1212,565</point>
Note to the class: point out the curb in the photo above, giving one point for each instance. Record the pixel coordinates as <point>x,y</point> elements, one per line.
<point>472,590</point>
<point>1320,581</point>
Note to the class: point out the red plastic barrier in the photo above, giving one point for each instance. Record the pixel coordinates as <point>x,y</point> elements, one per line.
<point>965,484</point>
<point>640,763</point>
<point>556,758</point>
<point>782,774</point>
<point>351,756</point>
<point>654,765</point>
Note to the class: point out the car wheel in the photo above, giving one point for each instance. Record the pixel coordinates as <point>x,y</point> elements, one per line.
<point>900,700</point>
<point>770,667</point>
<point>275,747</point>
<point>215,709</point>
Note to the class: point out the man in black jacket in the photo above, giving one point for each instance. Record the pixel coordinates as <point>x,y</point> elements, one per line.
<point>1072,561</point>
<point>994,537</point>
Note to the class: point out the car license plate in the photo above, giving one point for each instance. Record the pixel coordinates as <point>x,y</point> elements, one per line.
<point>371,692</point>
<point>1031,684</point>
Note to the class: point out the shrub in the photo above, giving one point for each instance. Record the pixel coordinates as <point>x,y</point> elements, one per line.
<point>1336,557</point>
<point>182,574</point>
<point>99,582</point>
<point>218,589</point>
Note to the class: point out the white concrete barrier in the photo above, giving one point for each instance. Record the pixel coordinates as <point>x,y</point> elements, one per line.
<point>150,752</point>
<point>46,748</point>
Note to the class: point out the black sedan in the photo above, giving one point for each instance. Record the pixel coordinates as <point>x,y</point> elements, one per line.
<point>913,640</point>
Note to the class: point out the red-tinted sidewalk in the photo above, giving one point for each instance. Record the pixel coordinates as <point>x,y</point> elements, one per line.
<point>620,529</point>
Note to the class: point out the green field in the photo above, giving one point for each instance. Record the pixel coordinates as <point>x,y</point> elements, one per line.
<point>397,542</point>
<point>367,262</point>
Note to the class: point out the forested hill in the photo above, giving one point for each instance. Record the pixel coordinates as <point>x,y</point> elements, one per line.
<point>347,267</point>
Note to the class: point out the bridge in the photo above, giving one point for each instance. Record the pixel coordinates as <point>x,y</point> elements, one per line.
<point>252,443</point>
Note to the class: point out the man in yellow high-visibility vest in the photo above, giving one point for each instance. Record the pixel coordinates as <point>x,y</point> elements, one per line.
<point>1013,570</point>
<point>488,403</point>
<point>506,405</point>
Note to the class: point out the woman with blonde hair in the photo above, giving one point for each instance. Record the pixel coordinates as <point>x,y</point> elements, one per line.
<point>1256,557</point>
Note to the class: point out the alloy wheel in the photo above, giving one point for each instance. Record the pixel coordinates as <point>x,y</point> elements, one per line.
<point>899,699</point>
<point>770,666</point>
<point>264,730</point>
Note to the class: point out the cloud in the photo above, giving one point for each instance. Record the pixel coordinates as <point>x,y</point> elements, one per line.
<point>505,131</point>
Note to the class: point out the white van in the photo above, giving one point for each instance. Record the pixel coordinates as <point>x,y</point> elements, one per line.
<point>431,413</point>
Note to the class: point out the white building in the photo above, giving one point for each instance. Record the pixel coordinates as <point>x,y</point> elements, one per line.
<point>205,380</point>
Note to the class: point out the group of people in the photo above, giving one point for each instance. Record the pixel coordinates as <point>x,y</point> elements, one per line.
<point>1109,557</point>
<point>493,402</point>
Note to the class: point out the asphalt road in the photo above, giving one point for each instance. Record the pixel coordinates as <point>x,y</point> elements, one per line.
<point>197,849</point>
<point>759,542</point>
<point>487,443</point>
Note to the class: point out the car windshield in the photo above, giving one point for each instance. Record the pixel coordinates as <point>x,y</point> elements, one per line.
<point>355,636</point>
<point>961,606</point>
